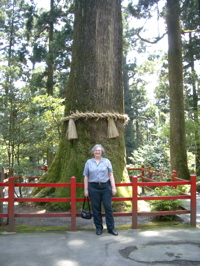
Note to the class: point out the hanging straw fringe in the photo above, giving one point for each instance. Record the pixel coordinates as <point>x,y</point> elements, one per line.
<point>112,129</point>
<point>71,131</point>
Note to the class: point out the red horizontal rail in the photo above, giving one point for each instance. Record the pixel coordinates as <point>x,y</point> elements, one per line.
<point>42,185</point>
<point>43,215</point>
<point>3,215</point>
<point>178,179</point>
<point>164,197</point>
<point>25,178</point>
<point>163,213</point>
<point>151,213</point>
<point>147,170</point>
<point>43,199</point>
<point>4,199</point>
<point>134,169</point>
<point>161,184</point>
<point>73,199</point>
<point>3,184</point>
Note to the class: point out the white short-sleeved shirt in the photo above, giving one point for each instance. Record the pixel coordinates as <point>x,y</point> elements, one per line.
<point>98,172</point>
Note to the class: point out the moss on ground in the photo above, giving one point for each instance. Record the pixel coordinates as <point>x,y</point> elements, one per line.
<point>43,229</point>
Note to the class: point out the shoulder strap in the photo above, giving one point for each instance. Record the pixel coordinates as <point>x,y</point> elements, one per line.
<point>86,199</point>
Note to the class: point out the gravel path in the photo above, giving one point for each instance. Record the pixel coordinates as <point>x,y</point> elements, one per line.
<point>64,221</point>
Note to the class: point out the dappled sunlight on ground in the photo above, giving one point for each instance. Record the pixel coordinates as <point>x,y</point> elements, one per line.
<point>66,262</point>
<point>143,206</point>
<point>76,243</point>
<point>150,233</point>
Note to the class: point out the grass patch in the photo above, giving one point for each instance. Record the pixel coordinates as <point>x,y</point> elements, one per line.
<point>43,229</point>
<point>35,229</point>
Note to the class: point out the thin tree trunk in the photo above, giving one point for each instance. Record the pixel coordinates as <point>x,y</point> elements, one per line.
<point>50,58</point>
<point>195,107</point>
<point>177,118</point>
<point>129,132</point>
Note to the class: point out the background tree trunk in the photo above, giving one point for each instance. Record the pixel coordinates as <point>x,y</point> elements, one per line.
<point>50,56</point>
<point>95,85</point>
<point>177,118</point>
<point>195,104</point>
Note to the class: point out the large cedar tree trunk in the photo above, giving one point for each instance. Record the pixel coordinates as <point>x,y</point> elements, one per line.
<point>177,118</point>
<point>95,85</point>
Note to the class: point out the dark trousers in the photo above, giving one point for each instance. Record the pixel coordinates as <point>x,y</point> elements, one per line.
<point>101,193</point>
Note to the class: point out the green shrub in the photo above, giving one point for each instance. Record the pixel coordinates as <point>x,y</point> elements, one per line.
<point>184,188</point>
<point>165,205</point>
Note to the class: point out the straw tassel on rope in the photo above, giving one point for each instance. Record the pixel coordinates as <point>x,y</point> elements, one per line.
<point>71,131</point>
<point>112,129</point>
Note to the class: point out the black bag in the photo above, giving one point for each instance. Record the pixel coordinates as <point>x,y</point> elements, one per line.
<point>86,214</point>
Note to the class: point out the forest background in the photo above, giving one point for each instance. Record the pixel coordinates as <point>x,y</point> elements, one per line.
<point>36,45</point>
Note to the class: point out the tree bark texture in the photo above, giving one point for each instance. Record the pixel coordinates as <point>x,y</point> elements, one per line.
<point>195,105</point>
<point>95,85</point>
<point>96,81</point>
<point>50,57</point>
<point>177,118</point>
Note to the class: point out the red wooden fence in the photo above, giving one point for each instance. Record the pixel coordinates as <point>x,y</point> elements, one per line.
<point>11,199</point>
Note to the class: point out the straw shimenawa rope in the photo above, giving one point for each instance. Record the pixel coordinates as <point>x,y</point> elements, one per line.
<point>112,129</point>
<point>78,115</point>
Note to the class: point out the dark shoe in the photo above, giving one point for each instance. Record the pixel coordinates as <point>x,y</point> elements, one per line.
<point>98,231</point>
<point>113,232</point>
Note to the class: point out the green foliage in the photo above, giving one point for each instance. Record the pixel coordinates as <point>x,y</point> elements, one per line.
<point>50,48</point>
<point>184,188</point>
<point>155,155</point>
<point>139,41</point>
<point>30,128</point>
<point>36,129</point>
<point>165,205</point>
<point>143,115</point>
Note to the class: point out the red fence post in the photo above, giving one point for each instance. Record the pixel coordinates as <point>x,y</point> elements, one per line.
<point>193,203</point>
<point>73,203</point>
<point>134,202</point>
<point>142,178</point>
<point>150,173</point>
<point>174,174</point>
<point>11,200</point>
